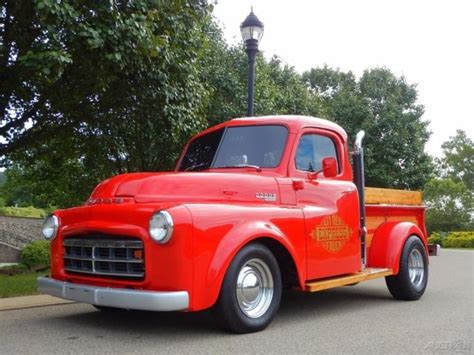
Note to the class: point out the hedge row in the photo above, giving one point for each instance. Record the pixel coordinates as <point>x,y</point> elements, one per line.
<point>453,239</point>
<point>32,212</point>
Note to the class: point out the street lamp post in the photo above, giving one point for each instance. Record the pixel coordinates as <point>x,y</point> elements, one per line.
<point>252,32</point>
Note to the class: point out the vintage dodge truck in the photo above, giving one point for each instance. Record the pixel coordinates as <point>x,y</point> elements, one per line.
<point>255,205</point>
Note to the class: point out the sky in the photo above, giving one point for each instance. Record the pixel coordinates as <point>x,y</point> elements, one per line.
<point>431,43</point>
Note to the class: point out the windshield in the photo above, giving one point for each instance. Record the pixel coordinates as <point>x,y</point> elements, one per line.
<point>260,146</point>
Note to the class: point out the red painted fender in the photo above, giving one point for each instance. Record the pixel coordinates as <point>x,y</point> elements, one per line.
<point>207,287</point>
<point>388,242</point>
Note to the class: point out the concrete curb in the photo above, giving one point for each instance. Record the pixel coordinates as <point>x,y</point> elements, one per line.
<point>12,303</point>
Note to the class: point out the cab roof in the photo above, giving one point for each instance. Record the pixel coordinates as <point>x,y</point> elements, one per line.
<point>293,122</point>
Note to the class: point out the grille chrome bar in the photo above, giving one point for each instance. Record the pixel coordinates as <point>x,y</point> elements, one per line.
<point>139,261</point>
<point>102,273</point>
<point>103,243</point>
<point>104,256</point>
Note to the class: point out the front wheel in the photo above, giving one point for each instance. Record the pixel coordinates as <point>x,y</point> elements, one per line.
<point>251,291</point>
<point>412,278</point>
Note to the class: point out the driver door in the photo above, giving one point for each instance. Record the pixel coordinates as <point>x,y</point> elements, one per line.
<point>329,205</point>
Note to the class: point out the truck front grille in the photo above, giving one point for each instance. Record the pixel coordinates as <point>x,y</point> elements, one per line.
<point>105,256</point>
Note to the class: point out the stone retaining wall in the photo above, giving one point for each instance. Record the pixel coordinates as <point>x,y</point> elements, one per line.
<point>15,233</point>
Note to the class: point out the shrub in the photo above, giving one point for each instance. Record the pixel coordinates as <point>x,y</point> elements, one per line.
<point>436,238</point>
<point>456,235</point>
<point>459,240</point>
<point>36,255</point>
<point>453,239</point>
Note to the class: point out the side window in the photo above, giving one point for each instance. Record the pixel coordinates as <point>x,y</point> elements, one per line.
<point>312,149</point>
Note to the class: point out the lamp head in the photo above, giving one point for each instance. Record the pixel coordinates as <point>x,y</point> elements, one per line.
<point>251,28</point>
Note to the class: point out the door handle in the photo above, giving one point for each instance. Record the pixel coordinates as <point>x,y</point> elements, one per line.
<point>298,184</point>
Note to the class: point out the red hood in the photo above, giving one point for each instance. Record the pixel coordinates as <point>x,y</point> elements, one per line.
<point>190,187</point>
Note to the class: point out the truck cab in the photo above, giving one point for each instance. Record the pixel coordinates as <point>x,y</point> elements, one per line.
<point>254,205</point>
<point>296,150</point>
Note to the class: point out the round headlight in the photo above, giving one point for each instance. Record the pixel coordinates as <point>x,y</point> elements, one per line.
<point>161,227</point>
<point>50,227</point>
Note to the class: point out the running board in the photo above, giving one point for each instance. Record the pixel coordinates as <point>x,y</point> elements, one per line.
<point>367,274</point>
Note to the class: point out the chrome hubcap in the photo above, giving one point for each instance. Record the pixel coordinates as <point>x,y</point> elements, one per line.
<point>416,268</point>
<point>254,288</point>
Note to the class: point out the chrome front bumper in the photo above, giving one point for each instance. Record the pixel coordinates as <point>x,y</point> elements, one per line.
<point>115,297</point>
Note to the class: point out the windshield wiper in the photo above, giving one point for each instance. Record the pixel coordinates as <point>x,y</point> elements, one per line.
<point>256,167</point>
<point>196,166</point>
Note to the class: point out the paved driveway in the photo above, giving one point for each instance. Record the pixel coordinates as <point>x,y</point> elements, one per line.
<point>358,319</point>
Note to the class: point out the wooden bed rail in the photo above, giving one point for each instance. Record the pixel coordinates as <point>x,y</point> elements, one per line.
<point>378,196</point>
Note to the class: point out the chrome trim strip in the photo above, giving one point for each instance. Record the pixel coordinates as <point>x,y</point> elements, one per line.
<point>104,273</point>
<point>102,243</point>
<point>131,261</point>
<point>115,297</point>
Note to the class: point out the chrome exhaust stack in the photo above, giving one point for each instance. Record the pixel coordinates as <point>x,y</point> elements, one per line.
<point>359,180</point>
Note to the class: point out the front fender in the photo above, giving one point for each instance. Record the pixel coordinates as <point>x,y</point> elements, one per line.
<point>387,244</point>
<point>241,236</point>
<point>219,236</point>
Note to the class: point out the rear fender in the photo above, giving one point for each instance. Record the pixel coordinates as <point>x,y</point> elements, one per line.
<point>387,244</point>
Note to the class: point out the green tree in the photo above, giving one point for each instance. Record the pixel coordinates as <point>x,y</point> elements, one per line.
<point>279,89</point>
<point>340,97</point>
<point>223,72</point>
<point>450,205</point>
<point>121,75</point>
<point>396,132</point>
<point>91,89</point>
<point>457,161</point>
<point>386,107</point>
<point>14,190</point>
<point>94,86</point>
<point>51,175</point>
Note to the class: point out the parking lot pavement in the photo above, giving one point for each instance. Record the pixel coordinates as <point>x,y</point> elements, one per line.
<point>362,318</point>
<point>13,303</point>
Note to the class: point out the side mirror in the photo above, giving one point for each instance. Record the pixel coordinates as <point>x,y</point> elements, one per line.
<point>329,167</point>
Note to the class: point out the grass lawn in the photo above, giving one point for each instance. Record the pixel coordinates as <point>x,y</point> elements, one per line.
<point>31,212</point>
<point>20,284</point>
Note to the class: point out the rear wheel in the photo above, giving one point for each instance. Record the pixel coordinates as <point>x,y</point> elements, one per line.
<point>251,291</point>
<point>412,278</point>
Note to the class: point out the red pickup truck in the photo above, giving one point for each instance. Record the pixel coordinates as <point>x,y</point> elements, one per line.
<point>255,205</point>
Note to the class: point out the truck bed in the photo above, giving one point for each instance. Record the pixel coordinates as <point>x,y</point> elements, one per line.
<point>389,205</point>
